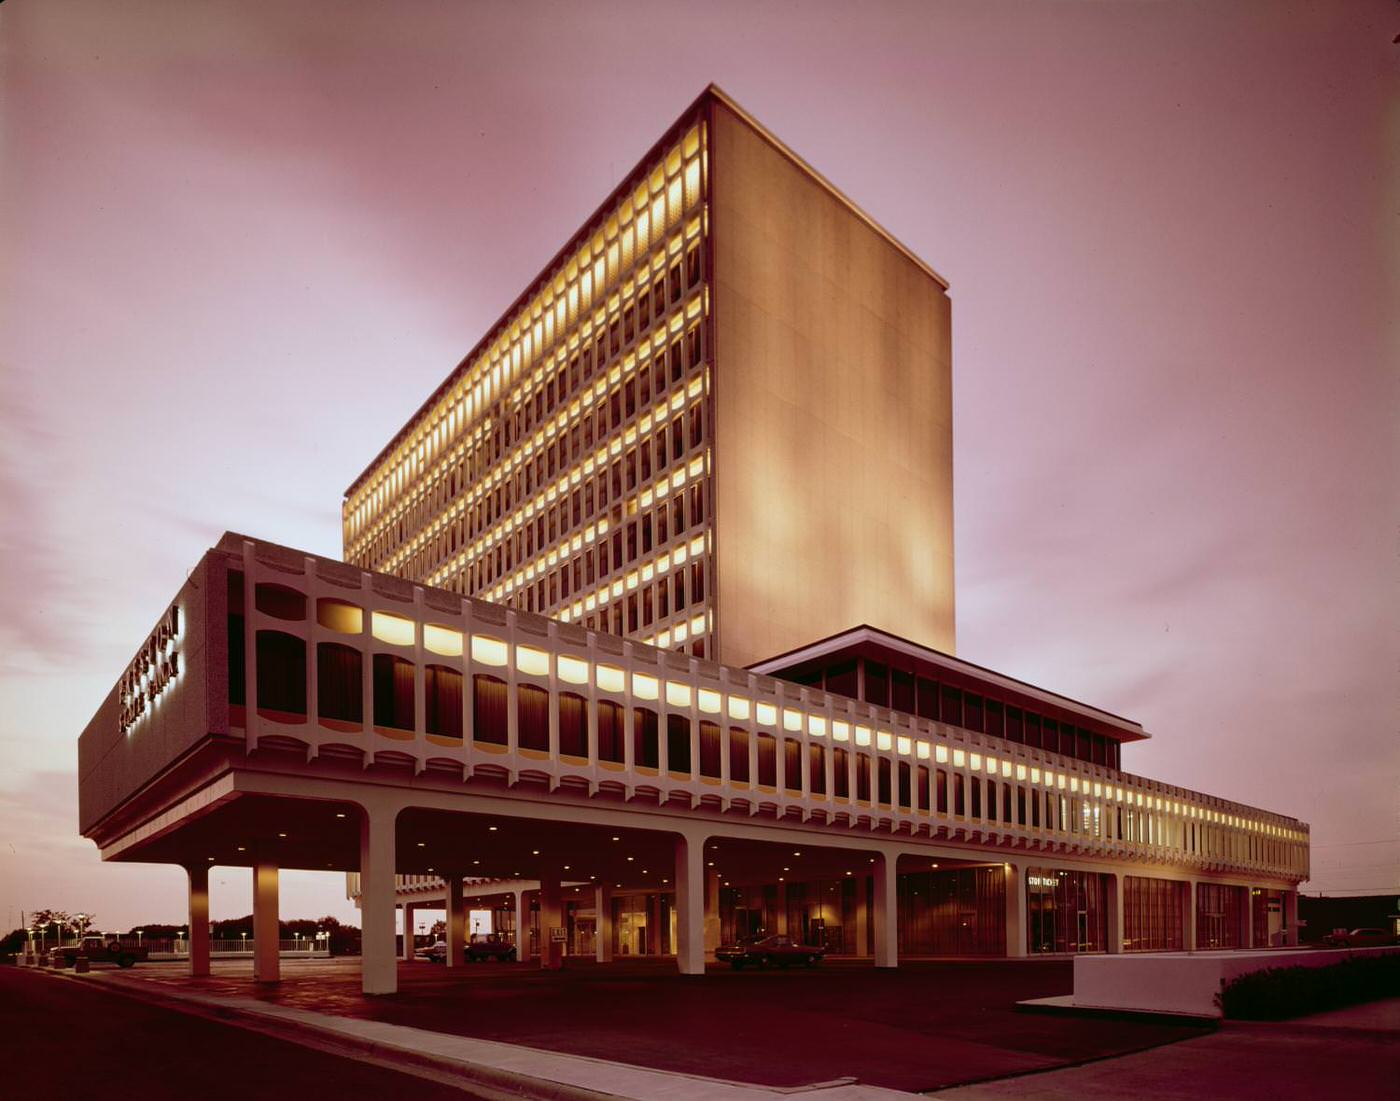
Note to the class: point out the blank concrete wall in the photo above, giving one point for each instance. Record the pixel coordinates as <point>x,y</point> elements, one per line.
<point>833,414</point>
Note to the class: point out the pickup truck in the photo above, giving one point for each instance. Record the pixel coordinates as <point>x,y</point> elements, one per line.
<point>101,949</point>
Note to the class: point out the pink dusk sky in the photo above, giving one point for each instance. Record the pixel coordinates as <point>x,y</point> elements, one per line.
<point>241,242</point>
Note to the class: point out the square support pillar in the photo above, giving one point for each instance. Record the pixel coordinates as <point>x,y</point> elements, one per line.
<point>456,921</point>
<point>551,918</point>
<point>1114,918</point>
<point>522,926</point>
<point>199,919</point>
<point>886,911</point>
<point>1015,912</point>
<point>690,905</point>
<point>862,944</point>
<point>267,959</point>
<point>406,947</point>
<point>378,966</point>
<point>712,929</point>
<point>603,938</point>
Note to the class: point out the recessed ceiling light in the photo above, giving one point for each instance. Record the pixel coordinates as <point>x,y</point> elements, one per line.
<point>476,861</point>
<point>422,844</point>
<point>491,828</point>
<point>243,848</point>
<point>340,814</point>
<point>712,863</point>
<point>796,854</point>
<point>630,858</point>
<point>780,879</point>
<point>617,839</point>
<point>211,858</point>
<point>566,867</point>
<point>281,835</point>
<point>534,852</point>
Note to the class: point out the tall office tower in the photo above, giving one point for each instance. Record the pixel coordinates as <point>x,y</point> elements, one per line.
<point>720,420</point>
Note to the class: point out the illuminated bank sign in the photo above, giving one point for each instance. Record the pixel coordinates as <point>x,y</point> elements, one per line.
<point>152,671</point>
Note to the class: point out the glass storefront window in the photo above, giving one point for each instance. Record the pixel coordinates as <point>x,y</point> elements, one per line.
<point>1154,914</point>
<point>1066,912</point>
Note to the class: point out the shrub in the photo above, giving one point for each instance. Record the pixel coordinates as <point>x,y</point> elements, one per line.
<point>1282,992</point>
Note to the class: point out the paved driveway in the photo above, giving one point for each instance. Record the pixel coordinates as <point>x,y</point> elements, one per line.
<point>924,1026</point>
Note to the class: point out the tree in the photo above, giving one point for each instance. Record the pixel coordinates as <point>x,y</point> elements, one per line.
<point>49,922</point>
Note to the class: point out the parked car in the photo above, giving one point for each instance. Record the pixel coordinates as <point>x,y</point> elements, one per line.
<point>1358,938</point>
<point>489,946</point>
<point>434,953</point>
<point>102,949</point>
<point>771,951</point>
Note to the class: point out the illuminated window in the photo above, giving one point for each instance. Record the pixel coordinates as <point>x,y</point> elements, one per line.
<point>337,615</point>
<point>393,629</point>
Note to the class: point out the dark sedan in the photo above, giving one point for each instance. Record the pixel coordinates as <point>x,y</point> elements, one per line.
<point>771,951</point>
<point>489,947</point>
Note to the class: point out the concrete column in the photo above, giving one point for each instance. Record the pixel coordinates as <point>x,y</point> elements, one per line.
<point>1290,918</point>
<point>522,926</point>
<point>1015,912</point>
<point>690,905</point>
<point>551,917</point>
<point>862,918</point>
<point>267,962</point>
<point>712,929</point>
<point>456,920</point>
<point>199,919</point>
<point>1115,913</point>
<point>603,939</point>
<point>406,946</point>
<point>886,915</point>
<point>378,967</point>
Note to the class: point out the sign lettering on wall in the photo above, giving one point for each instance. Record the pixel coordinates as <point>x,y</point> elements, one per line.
<point>151,672</point>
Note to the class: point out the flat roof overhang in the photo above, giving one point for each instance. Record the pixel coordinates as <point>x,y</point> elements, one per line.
<point>229,823</point>
<point>871,642</point>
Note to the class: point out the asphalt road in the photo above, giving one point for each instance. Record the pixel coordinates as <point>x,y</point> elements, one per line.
<point>63,1039</point>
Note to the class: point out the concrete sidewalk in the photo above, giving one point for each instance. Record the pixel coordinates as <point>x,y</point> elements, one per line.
<point>1352,1053</point>
<point>510,1068</point>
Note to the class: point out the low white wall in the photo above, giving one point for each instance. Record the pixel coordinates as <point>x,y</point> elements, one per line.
<point>1184,982</point>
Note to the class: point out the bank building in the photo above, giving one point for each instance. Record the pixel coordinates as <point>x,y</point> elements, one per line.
<point>643,640</point>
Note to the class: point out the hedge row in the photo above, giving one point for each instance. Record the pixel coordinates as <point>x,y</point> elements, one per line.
<point>1282,992</point>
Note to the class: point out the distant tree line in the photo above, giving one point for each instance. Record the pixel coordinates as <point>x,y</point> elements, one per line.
<point>344,939</point>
